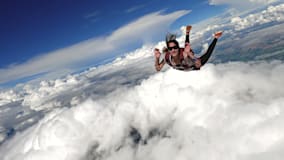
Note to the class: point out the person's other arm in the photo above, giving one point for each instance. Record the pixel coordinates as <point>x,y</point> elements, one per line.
<point>158,65</point>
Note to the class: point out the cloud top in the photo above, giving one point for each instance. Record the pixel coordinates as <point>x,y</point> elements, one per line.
<point>234,109</point>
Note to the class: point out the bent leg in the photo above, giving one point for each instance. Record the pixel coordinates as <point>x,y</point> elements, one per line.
<point>187,38</point>
<point>188,28</point>
<point>205,57</point>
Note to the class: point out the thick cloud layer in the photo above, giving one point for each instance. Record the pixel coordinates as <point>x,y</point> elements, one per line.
<point>22,106</point>
<point>226,111</point>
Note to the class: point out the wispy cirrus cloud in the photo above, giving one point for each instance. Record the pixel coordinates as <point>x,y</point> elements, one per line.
<point>66,58</point>
<point>93,17</point>
<point>135,8</point>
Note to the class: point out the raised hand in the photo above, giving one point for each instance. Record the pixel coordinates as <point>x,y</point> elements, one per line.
<point>157,53</point>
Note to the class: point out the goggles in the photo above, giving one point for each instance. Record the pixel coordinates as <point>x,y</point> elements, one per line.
<point>171,48</point>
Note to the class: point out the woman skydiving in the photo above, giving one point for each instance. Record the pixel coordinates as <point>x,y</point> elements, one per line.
<point>183,58</point>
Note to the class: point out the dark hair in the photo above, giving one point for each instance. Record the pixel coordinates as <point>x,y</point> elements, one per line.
<point>171,38</point>
<point>173,41</point>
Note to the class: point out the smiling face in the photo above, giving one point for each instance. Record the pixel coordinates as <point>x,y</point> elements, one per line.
<point>173,49</point>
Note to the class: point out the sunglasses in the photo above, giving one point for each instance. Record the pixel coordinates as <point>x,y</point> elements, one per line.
<point>171,48</point>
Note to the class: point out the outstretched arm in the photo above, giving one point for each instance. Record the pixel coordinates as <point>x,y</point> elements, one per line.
<point>158,65</point>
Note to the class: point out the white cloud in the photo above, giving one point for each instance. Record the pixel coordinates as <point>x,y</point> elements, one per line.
<point>92,15</point>
<point>233,24</point>
<point>64,59</point>
<point>271,14</point>
<point>228,111</point>
<point>216,2</point>
<point>242,4</point>
<point>8,97</point>
<point>42,95</point>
